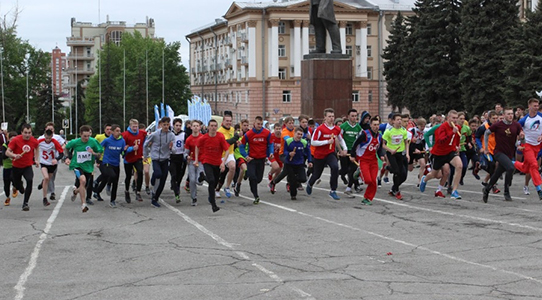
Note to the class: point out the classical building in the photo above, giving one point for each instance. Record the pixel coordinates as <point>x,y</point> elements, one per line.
<point>249,61</point>
<point>87,39</point>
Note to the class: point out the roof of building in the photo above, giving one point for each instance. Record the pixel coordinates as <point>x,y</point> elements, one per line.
<point>361,4</point>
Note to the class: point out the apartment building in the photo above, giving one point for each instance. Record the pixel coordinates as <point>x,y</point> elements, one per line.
<point>249,61</point>
<point>87,39</point>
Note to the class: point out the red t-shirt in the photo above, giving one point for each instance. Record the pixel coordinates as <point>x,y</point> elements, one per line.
<point>324,133</point>
<point>257,143</point>
<point>18,145</point>
<point>211,148</point>
<point>506,136</point>
<point>446,141</point>
<point>190,144</point>
<point>276,140</point>
<point>132,140</point>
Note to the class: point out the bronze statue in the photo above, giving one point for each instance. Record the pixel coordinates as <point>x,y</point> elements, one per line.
<point>322,17</point>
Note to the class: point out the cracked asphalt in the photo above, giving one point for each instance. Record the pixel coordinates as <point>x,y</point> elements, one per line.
<point>313,248</point>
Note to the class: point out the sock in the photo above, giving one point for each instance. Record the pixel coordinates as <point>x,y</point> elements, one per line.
<point>538,188</point>
<point>440,187</point>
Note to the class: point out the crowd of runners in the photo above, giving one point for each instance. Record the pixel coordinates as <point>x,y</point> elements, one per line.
<point>359,149</point>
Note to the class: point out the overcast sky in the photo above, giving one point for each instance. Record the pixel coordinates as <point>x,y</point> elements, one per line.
<point>46,24</point>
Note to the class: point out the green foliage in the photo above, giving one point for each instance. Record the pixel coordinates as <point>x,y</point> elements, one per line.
<point>14,75</point>
<point>124,71</point>
<point>396,67</point>
<point>523,64</point>
<point>486,36</point>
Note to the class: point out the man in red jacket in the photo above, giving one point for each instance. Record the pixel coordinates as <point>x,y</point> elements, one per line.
<point>23,149</point>
<point>446,151</point>
<point>134,137</point>
<point>323,141</point>
<point>260,147</point>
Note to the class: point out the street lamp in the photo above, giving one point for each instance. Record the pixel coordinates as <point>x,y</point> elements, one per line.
<point>2,82</point>
<point>27,57</point>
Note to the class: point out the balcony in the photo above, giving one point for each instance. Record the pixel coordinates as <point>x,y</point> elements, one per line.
<point>82,71</point>
<point>227,41</point>
<point>243,37</point>
<point>244,60</point>
<point>79,41</point>
<point>82,57</point>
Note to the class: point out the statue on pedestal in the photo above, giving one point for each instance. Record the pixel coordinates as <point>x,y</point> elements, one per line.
<point>322,17</point>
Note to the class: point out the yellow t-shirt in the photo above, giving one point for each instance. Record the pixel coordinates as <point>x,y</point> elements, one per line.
<point>228,134</point>
<point>100,138</point>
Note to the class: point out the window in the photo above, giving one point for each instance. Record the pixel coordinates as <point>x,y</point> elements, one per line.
<point>349,29</point>
<point>369,73</point>
<point>286,96</point>
<point>282,27</point>
<point>88,66</point>
<point>282,51</point>
<point>369,51</point>
<point>88,51</point>
<point>355,96</point>
<point>282,73</point>
<point>370,96</point>
<point>116,36</point>
<point>369,29</point>
<point>349,50</point>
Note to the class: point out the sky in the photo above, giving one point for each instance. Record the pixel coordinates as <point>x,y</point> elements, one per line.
<point>46,24</point>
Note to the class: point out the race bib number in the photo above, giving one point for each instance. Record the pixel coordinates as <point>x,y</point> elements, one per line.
<point>396,139</point>
<point>83,157</point>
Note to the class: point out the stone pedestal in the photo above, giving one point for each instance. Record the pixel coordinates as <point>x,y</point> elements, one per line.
<point>326,81</point>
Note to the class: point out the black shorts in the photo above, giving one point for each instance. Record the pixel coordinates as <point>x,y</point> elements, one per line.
<point>50,169</point>
<point>438,161</point>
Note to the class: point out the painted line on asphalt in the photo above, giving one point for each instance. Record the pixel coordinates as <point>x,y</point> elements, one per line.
<point>20,287</point>
<point>241,254</point>
<point>436,211</point>
<point>469,191</point>
<point>458,259</point>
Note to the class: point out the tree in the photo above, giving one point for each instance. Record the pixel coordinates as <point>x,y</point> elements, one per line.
<point>18,57</point>
<point>132,60</point>
<point>42,111</point>
<point>523,64</point>
<point>486,33</point>
<point>395,66</point>
<point>432,50</point>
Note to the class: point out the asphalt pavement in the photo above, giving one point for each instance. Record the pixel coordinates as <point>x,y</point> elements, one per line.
<point>420,247</point>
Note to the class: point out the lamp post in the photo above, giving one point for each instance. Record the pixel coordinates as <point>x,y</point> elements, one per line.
<point>76,122</point>
<point>2,82</point>
<point>27,57</point>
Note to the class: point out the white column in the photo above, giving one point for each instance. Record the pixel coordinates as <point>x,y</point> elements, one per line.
<point>297,49</point>
<point>363,49</point>
<point>342,32</point>
<point>328,43</point>
<point>268,54</point>
<point>274,48</point>
<point>305,37</point>
<point>252,51</point>
<point>358,54</point>
<point>233,35</point>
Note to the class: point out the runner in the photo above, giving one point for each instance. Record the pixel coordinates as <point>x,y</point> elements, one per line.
<point>194,167</point>
<point>209,151</point>
<point>296,151</point>
<point>445,151</point>
<point>396,139</point>
<point>158,146</point>
<point>7,163</point>
<point>84,150</point>
<point>113,146</point>
<point>260,147</point>
<point>531,124</point>
<point>365,150</point>
<point>100,138</point>
<point>506,135</point>
<point>286,133</point>
<point>62,141</point>
<point>50,153</point>
<point>177,164</point>
<point>23,149</point>
<point>324,140</point>
<point>229,134</point>
<point>134,137</point>
<point>240,159</point>
<point>349,132</point>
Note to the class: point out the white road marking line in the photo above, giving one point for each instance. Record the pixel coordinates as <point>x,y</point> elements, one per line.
<point>447,213</point>
<point>467,191</point>
<point>35,254</point>
<point>241,254</point>
<point>402,242</point>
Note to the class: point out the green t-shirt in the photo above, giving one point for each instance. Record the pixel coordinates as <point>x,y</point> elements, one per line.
<point>8,162</point>
<point>82,158</point>
<point>350,133</point>
<point>396,138</point>
<point>465,131</point>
